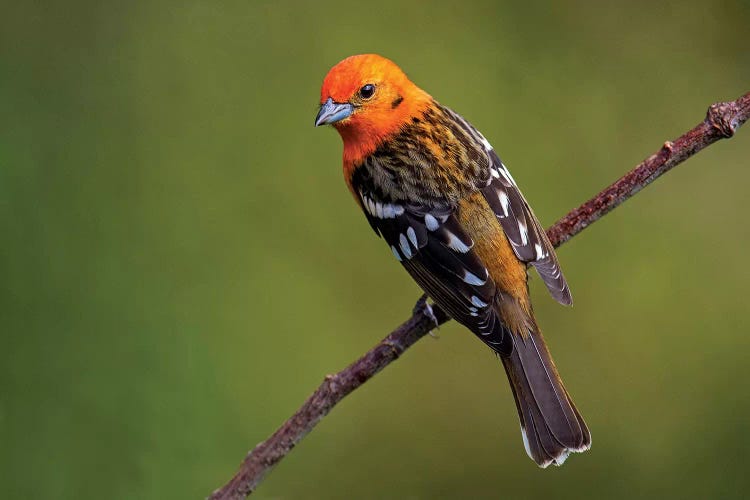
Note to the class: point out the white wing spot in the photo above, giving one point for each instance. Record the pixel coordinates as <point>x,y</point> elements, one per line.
<point>404,246</point>
<point>456,244</point>
<point>503,197</point>
<point>388,210</point>
<point>524,233</point>
<point>366,203</point>
<point>473,279</point>
<point>412,236</point>
<point>381,210</point>
<point>478,302</point>
<point>431,222</point>
<point>395,253</point>
<point>539,251</point>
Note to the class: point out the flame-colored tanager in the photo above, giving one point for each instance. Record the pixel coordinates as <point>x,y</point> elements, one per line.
<point>434,188</point>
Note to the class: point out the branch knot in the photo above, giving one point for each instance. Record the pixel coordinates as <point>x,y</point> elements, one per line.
<point>723,117</point>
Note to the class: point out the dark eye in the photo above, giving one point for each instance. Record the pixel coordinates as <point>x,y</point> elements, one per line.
<point>367,91</point>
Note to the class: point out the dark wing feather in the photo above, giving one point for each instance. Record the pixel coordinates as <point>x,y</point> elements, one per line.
<point>525,233</point>
<point>437,252</point>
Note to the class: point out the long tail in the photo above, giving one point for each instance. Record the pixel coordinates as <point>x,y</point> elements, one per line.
<point>550,423</point>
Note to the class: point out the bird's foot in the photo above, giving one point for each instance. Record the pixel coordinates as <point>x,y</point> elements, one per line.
<point>423,307</point>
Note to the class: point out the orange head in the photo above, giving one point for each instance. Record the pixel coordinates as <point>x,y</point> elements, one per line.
<point>368,99</point>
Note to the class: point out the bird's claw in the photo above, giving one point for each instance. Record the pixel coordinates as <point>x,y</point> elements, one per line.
<point>423,307</point>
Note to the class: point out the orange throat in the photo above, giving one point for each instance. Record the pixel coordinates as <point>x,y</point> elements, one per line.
<point>363,135</point>
<point>359,142</point>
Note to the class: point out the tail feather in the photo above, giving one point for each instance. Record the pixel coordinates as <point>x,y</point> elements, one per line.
<point>551,425</point>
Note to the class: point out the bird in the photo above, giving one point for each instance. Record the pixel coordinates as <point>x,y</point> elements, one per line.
<point>436,191</point>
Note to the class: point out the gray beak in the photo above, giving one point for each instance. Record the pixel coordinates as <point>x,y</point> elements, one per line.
<point>332,112</point>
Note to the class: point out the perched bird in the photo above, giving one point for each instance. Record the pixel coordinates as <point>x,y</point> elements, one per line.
<point>433,187</point>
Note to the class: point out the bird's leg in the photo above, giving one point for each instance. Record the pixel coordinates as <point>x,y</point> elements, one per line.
<point>423,307</point>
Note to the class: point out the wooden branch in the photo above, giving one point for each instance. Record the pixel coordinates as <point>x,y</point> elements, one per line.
<point>722,121</point>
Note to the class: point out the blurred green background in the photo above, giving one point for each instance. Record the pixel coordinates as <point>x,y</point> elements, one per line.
<point>181,262</point>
